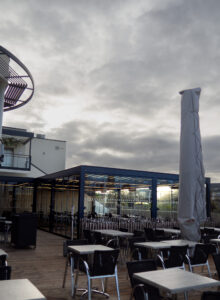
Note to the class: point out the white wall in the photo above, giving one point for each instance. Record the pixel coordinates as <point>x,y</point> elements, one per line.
<point>47,155</point>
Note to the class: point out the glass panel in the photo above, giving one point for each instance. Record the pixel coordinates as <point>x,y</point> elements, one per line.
<point>215,203</point>
<point>66,202</point>
<point>167,199</point>
<point>43,205</point>
<point>24,198</point>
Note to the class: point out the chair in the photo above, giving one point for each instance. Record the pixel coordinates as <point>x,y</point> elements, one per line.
<point>210,295</point>
<point>104,266</point>
<point>2,231</point>
<point>139,253</point>
<point>76,257</point>
<point>113,243</point>
<point>216,259</point>
<point>199,258</point>
<point>132,247</point>
<point>88,235</point>
<point>138,233</point>
<point>143,266</point>
<point>176,257</point>
<point>151,235</point>
<point>99,239</point>
<point>139,293</point>
<point>5,272</point>
<point>123,229</point>
<point>3,260</point>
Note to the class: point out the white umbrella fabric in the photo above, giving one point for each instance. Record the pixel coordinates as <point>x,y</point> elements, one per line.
<point>192,202</point>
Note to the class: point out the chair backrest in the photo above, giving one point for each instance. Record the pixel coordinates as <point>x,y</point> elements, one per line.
<point>5,272</point>
<point>98,237</point>
<point>88,235</point>
<point>176,256</point>
<point>139,253</point>
<point>113,243</point>
<point>216,258</point>
<point>3,260</point>
<point>210,295</point>
<point>136,239</point>
<point>138,233</point>
<point>140,266</point>
<point>143,266</point>
<point>123,229</point>
<point>139,293</point>
<point>104,262</point>
<point>150,234</point>
<point>201,253</point>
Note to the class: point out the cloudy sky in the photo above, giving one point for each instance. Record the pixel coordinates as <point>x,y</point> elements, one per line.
<point>108,75</point>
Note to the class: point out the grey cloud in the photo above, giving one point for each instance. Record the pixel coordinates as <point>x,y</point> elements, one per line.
<point>131,59</point>
<point>114,147</point>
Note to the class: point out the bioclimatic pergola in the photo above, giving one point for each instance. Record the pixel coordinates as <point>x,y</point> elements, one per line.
<point>16,86</point>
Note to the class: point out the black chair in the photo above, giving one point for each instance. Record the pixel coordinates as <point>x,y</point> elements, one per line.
<point>99,239</point>
<point>143,266</point>
<point>138,233</point>
<point>5,272</point>
<point>151,235</point>
<point>210,295</point>
<point>216,259</point>
<point>139,253</point>
<point>176,257</point>
<point>76,257</point>
<point>113,243</point>
<point>139,293</point>
<point>199,258</point>
<point>123,229</point>
<point>3,260</point>
<point>88,235</point>
<point>104,266</point>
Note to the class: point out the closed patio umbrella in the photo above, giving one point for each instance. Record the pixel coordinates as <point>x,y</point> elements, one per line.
<point>192,202</point>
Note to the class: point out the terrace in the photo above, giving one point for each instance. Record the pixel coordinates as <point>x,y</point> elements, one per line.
<point>44,267</point>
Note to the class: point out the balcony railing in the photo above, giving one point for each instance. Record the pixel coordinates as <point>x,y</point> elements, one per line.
<point>16,161</point>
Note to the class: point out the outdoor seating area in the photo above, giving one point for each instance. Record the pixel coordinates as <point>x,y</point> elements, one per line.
<point>58,275</point>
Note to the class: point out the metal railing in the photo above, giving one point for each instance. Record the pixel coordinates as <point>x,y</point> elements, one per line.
<point>16,161</point>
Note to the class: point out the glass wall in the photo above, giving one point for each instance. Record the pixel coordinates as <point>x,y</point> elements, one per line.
<point>117,195</point>
<point>215,203</point>
<point>57,205</point>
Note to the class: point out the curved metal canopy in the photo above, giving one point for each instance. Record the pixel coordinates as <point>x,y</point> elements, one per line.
<point>20,87</point>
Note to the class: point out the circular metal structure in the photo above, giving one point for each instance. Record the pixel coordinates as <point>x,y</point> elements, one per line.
<point>20,87</point>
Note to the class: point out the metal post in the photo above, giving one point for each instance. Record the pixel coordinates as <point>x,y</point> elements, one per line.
<point>80,201</point>
<point>3,85</point>
<point>154,199</point>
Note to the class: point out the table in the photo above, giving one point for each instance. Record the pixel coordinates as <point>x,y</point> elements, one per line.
<point>117,234</point>
<point>190,244</point>
<point>176,281</point>
<point>154,246</point>
<point>82,250</point>
<point>114,233</point>
<point>19,289</point>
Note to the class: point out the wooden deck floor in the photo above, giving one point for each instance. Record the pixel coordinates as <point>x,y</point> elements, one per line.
<point>44,267</point>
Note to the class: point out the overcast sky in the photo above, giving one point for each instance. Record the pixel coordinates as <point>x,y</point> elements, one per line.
<point>108,75</point>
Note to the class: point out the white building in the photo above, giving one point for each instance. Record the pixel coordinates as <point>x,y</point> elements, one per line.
<point>30,155</point>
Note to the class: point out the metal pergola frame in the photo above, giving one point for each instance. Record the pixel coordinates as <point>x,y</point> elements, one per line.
<point>17,83</point>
